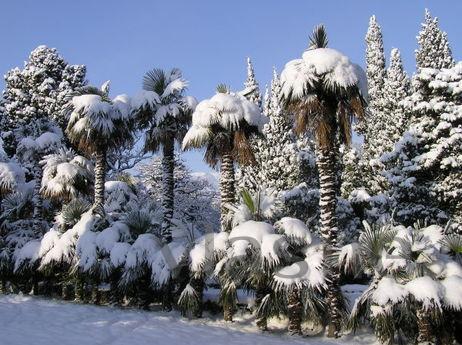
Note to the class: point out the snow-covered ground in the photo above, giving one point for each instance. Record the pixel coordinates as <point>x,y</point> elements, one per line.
<point>29,320</point>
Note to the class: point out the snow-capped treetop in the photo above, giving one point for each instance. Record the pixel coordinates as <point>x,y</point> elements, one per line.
<point>227,110</point>
<point>162,107</point>
<point>252,89</point>
<point>230,111</point>
<point>308,272</point>
<point>206,248</point>
<point>434,50</point>
<point>261,205</point>
<point>375,61</point>
<point>300,76</point>
<point>96,121</point>
<point>41,89</point>
<point>395,89</point>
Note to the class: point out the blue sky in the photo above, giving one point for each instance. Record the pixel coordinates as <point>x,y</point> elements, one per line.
<point>209,40</point>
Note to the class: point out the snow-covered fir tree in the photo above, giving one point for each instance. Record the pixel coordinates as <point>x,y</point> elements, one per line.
<point>285,163</point>
<point>391,122</point>
<point>354,172</point>
<point>375,71</point>
<point>396,88</point>
<point>279,169</point>
<point>365,175</point>
<point>39,90</point>
<point>422,174</point>
<point>425,171</point>
<point>247,177</point>
<point>434,50</point>
<point>252,89</point>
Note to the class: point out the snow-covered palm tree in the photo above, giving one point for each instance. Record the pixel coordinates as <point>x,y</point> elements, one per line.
<point>223,125</point>
<point>164,109</point>
<point>96,124</point>
<point>325,91</point>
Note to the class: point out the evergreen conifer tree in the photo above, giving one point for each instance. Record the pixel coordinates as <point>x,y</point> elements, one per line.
<point>279,153</point>
<point>425,167</point>
<point>375,71</point>
<point>247,177</point>
<point>434,50</point>
<point>39,90</point>
<point>396,88</point>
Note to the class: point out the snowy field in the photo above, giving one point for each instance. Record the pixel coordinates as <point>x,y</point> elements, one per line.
<point>28,320</point>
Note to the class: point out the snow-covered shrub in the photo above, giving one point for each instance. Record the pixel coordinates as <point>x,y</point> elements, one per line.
<point>66,175</point>
<point>416,282</point>
<point>270,260</point>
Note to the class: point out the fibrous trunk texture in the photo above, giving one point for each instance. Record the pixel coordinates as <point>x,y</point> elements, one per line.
<point>227,188</point>
<point>100,178</point>
<point>326,163</point>
<point>425,335</point>
<point>295,310</point>
<point>168,186</point>
<point>228,312</point>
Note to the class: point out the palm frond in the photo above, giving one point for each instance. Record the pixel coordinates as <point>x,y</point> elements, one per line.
<point>155,80</point>
<point>72,212</point>
<point>138,221</point>
<point>222,88</point>
<point>453,243</point>
<point>318,38</point>
<point>248,200</point>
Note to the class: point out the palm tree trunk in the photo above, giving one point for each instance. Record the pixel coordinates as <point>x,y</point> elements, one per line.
<point>425,335</point>
<point>38,200</point>
<point>228,312</point>
<point>295,310</point>
<point>328,188</point>
<point>100,178</point>
<point>227,188</point>
<point>168,186</point>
